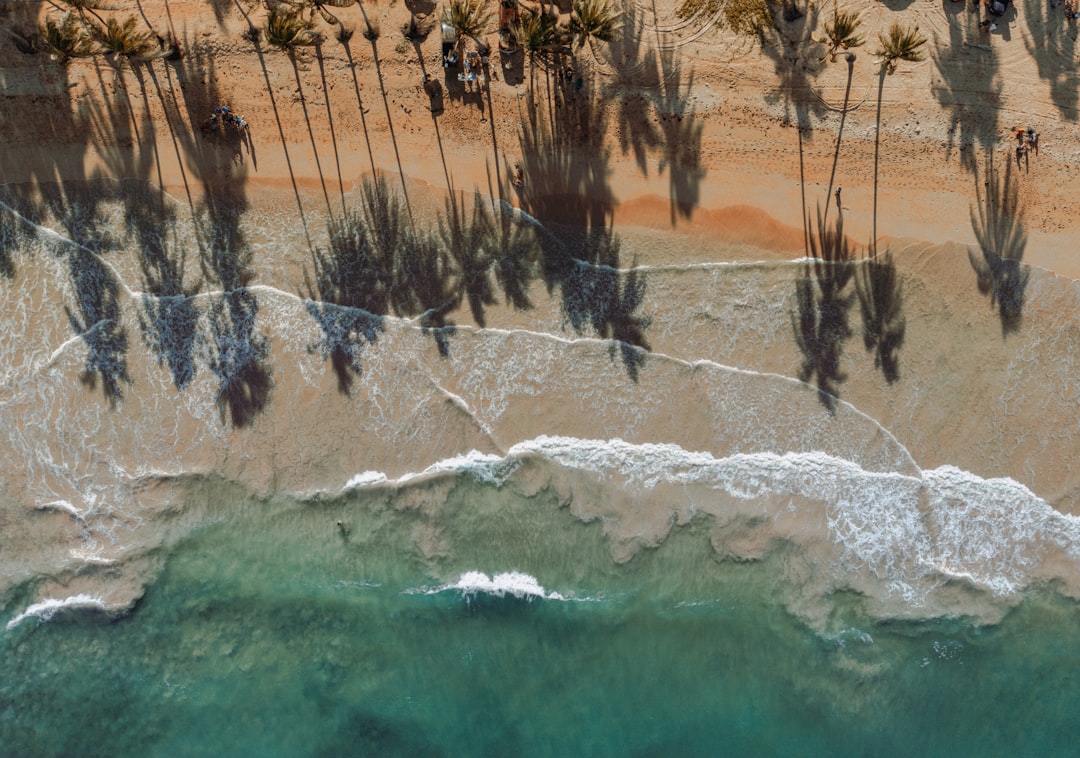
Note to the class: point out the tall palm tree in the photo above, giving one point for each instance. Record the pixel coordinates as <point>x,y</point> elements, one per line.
<point>593,20</point>
<point>67,40</point>
<point>900,44</point>
<point>468,17</point>
<point>841,33</point>
<point>287,30</point>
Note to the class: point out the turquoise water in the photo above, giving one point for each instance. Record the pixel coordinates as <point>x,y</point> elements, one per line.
<point>275,632</point>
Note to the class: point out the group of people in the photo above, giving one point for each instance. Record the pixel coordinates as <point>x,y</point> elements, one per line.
<point>222,117</point>
<point>1027,140</point>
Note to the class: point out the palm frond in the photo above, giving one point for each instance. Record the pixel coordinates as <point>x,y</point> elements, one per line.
<point>842,32</point>
<point>66,40</point>
<point>288,31</point>
<point>537,32</point>
<point>900,44</point>
<point>468,17</point>
<point>122,38</point>
<point>593,19</point>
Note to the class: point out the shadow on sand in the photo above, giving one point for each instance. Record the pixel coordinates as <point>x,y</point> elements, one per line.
<point>881,301</point>
<point>657,76</point>
<point>97,321</point>
<point>968,86</point>
<point>1052,45</point>
<point>998,222</point>
<point>821,324</point>
<point>565,187</point>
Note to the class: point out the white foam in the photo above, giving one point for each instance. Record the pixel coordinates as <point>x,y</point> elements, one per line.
<point>46,610</point>
<point>365,479</point>
<point>907,535</point>
<point>514,583</point>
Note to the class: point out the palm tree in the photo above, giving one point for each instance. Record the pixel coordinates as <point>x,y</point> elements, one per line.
<point>593,20</point>
<point>320,7</point>
<point>288,31</point>
<point>121,39</point>
<point>467,17</point>
<point>900,44</point>
<point>67,40</point>
<point>841,33</point>
<point>538,33</point>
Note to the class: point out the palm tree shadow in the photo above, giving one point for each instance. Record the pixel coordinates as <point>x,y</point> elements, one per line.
<point>998,223</point>
<point>635,67</point>
<point>681,132</point>
<point>16,209</point>
<point>422,282</point>
<point>795,55</point>
<point>969,89</point>
<point>599,294</point>
<point>76,205</point>
<point>97,322</point>
<point>658,75</point>
<point>565,188</point>
<point>468,239</point>
<point>821,323</point>
<point>238,357</point>
<point>377,263</point>
<point>513,244</point>
<point>880,293</point>
<point>169,317</point>
<point>349,294</point>
<point>1052,46</point>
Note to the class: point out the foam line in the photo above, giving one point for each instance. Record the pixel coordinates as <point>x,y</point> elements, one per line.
<point>46,610</point>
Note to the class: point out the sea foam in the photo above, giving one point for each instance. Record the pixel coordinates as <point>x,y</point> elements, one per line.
<point>512,583</point>
<point>47,610</point>
<point>889,535</point>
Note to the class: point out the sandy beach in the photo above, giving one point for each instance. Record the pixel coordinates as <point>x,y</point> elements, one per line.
<point>699,118</point>
<point>676,159</point>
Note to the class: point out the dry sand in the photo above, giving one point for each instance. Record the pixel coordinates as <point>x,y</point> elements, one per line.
<point>704,117</point>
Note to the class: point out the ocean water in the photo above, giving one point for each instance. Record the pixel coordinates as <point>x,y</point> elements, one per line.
<point>271,632</point>
<point>712,516</point>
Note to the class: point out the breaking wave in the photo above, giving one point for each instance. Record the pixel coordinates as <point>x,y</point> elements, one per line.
<point>946,542</point>
<point>47,610</point>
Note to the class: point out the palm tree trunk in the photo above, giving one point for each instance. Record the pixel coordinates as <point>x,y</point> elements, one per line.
<point>840,132</point>
<point>877,144</point>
